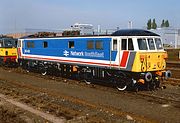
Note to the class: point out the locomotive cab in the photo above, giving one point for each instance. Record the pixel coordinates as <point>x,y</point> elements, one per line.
<point>150,55</point>
<point>8,51</point>
<point>141,56</point>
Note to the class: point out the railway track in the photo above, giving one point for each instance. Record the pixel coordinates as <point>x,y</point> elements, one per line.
<point>106,87</point>
<point>173,64</point>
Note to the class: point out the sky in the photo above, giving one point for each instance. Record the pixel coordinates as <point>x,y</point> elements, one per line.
<point>19,15</point>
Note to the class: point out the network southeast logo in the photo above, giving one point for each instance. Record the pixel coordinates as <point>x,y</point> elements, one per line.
<point>82,54</point>
<point>66,53</point>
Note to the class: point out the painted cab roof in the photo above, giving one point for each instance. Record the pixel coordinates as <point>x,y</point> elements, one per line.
<point>133,32</point>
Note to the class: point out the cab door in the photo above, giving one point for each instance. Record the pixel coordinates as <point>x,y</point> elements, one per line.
<point>127,53</point>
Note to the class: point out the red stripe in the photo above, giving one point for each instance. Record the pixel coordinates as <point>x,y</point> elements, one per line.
<point>78,62</point>
<point>124,59</point>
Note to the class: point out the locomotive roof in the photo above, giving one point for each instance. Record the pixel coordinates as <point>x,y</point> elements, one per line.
<point>133,32</point>
<point>122,32</point>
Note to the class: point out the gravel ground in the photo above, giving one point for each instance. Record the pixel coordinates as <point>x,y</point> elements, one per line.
<point>10,113</point>
<point>77,102</point>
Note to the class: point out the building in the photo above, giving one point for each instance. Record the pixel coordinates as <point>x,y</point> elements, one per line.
<point>170,36</point>
<point>85,29</point>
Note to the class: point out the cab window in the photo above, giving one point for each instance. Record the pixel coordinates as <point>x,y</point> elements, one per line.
<point>142,44</point>
<point>8,43</point>
<point>130,44</point>
<point>151,44</point>
<point>158,43</point>
<point>114,44</point>
<point>124,44</point>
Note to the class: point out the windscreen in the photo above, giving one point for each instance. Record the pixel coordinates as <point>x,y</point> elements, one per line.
<point>9,43</point>
<point>151,43</point>
<point>142,44</point>
<point>158,43</point>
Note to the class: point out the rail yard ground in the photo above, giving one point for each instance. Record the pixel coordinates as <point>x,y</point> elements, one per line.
<point>33,98</point>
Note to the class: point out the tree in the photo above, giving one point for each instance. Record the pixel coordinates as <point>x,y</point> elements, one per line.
<point>166,23</point>
<point>149,24</point>
<point>154,25</point>
<point>162,24</point>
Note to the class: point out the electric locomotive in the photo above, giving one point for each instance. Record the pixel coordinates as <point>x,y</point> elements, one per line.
<point>126,58</point>
<point>8,51</point>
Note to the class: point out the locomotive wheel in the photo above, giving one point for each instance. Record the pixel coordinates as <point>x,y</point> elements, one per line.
<point>27,69</point>
<point>121,86</point>
<point>87,78</point>
<point>87,82</point>
<point>121,81</point>
<point>43,72</point>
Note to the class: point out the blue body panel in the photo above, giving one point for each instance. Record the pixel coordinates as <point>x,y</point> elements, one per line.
<point>58,47</point>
